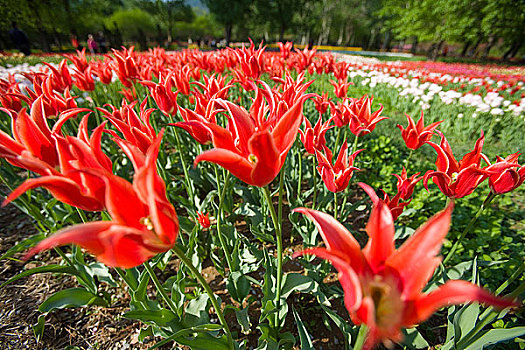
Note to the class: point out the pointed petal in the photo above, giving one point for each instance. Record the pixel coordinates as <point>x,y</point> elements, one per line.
<point>237,165</point>
<point>267,165</point>
<point>452,293</point>
<point>416,260</point>
<point>347,276</point>
<point>285,131</point>
<point>380,229</point>
<point>336,237</point>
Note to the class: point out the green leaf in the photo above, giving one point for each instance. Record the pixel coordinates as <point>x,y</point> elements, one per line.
<point>73,297</point>
<point>24,245</point>
<point>413,339</point>
<point>495,336</point>
<point>202,341</point>
<point>295,282</point>
<point>304,337</point>
<point>38,327</point>
<point>41,269</point>
<point>465,320</point>
<point>159,317</point>
<point>244,320</point>
<point>238,286</point>
<point>196,311</point>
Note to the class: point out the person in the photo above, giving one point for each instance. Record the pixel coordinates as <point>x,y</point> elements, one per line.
<point>92,44</point>
<point>101,42</point>
<point>19,39</point>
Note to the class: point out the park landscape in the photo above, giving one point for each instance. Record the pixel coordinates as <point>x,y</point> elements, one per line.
<point>261,196</point>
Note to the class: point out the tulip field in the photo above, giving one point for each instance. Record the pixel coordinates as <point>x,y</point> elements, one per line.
<point>254,199</point>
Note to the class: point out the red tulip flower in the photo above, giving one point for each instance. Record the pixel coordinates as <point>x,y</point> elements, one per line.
<point>323,102</point>
<point>416,135</point>
<point>144,222</point>
<point>163,94</point>
<point>314,137</point>
<point>508,176</point>
<point>285,49</point>
<point>336,176</point>
<point>405,185</point>
<point>254,145</point>
<point>70,184</point>
<point>382,284</point>
<point>457,179</point>
<point>362,120</point>
<point>203,219</point>
<point>84,80</point>
<point>341,88</point>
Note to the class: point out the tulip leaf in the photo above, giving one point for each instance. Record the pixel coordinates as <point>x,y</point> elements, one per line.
<point>413,339</point>
<point>304,337</point>
<point>465,320</point>
<point>244,320</point>
<point>196,311</point>
<point>295,282</point>
<point>38,327</point>
<point>23,245</point>
<point>159,317</point>
<point>72,297</point>
<point>197,338</point>
<point>41,269</point>
<point>495,336</point>
<point>238,286</point>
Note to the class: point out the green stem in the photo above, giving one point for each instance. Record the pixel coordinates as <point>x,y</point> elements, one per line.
<point>219,216</point>
<point>361,337</point>
<point>300,174</point>
<point>489,198</point>
<point>189,190</point>
<point>280,207</point>
<point>335,205</point>
<point>123,277</point>
<point>208,290</point>
<point>407,160</point>
<point>159,287</point>
<point>338,137</point>
<point>354,146</point>
<point>314,175</point>
<point>278,237</point>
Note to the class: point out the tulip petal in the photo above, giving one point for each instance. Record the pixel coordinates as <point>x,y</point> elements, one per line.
<point>237,165</point>
<point>347,276</point>
<point>336,237</point>
<point>380,229</point>
<point>267,164</point>
<point>416,260</point>
<point>451,293</point>
<point>285,131</point>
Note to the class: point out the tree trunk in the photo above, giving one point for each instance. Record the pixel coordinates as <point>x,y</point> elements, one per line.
<point>475,47</point>
<point>228,33</point>
<point>492,40</point>
<point>413,50</point>
<point>509,51</point>
<point>465,48</point>
<point>282,29</point>
<point>340,37</point>
<point>516,49</point>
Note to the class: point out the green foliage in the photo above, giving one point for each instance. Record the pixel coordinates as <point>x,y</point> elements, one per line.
<point>133,23</point>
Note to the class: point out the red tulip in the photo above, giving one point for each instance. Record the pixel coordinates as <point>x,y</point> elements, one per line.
<point>416,136</point>
<point>457,179</point>
<point>382,284</point>
<point>508,174</point>
<point>362,120</point>
<point>341,87</point>
<point>84,80</point>
<point>254,145</point>
<point>195,121</point>
<point>405,185</point>
<point>337,176</point>
<point>314,138</point>
<point>162,93</point>
<point>204,219</point>
<point>285,49</point>
<point>71,184</point>
<point>136,129</point>
<point>323,102</point>
<point>144,222</point>
<point>125,66</point>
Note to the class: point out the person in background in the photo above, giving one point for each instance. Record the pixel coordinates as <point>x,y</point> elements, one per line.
<point>92,44</point>
<point>19,39</point>
<point>101,42</point>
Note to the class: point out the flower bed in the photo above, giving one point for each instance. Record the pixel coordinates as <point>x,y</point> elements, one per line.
<point>147,159</point>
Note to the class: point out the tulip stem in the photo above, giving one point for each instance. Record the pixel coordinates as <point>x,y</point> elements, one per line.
<point>361,336</point>
<point>300,174</point>
<point>208,290</point>
<point>335,205</point>
<point>407,160</point>
<point>354,146</point>
<point>449,255</point>
<point>314,176</point>
<point>219,216</point>
<point>337,138</point>
<point>278,237</point>
<point>159,287</point>
<point>184,167</point>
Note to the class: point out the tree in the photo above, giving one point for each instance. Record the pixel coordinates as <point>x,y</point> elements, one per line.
<point>228,13</point>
